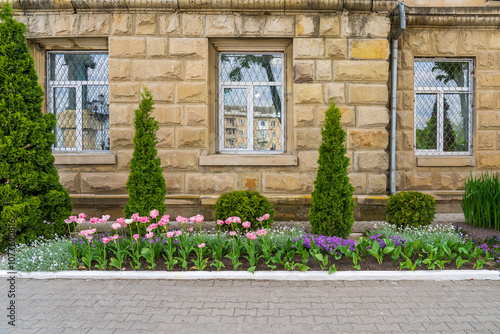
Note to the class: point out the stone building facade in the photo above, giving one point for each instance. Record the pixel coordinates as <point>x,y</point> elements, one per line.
<point>331,49</point>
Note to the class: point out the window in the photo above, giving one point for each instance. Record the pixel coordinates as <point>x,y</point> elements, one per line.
<point>250,89</point>
<point>443,106</point>
<point>77,93</point>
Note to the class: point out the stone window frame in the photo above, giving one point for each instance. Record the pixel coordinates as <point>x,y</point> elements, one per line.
<point>288,157</point>
<point>38,48</point>
<point>433,158</point>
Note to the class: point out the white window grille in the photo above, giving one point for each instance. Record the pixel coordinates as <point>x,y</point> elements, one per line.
<point>250,95</point>
<point>443,106</point>
<point>78,94</point>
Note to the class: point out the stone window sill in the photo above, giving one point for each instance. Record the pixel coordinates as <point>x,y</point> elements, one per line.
<point>453,161</point>
<point>85,158</point>
<point>248,160</point>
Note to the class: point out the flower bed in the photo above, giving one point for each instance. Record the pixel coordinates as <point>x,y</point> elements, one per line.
<point>147,243</point>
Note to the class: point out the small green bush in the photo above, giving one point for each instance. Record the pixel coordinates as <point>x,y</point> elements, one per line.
<point>410,208</point>
<point>332,205</point>
<point>248,205</point>
<point>481,201</point>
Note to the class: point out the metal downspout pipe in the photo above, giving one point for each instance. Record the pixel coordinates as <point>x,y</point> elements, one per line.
<point>394,90</point>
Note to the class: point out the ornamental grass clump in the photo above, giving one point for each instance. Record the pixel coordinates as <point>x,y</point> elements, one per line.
<point>33,202</point>
<point>332,205</point>
<point>481,201</point>
<point>410,208</point>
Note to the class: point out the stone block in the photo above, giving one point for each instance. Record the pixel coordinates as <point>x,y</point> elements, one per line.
<point>329,26</point>
<point>363,25</point>
<point>196,70</point>
<point>303,71</point>
<point>488,160</point>
<point>191,137</point>
<point>193,25</point>
<point>486,99</point>
<point>251,25</point>
<point>306,25</point>
<point>405,160</point>
<point>408,99</point>
<point>361,70</point>
<point>120,70</point>
<point>368,94</point>
<point>197,183</point>
<point>38,26</point>
<point>122,24</point>
<point>191,92</point>
<point>121,115</point>
<point>372,116</point>
<point>63,25</point>
<point>469,42</point>
<point>158,70</point>
<point>408,60</point>
<point>488,79</point>
<point>443,181</point>
<point>123,158</point>
<point>405,80</point>
<point>179,159</point>
<point>127,47</point>
<point>399,101</point>
<point>494,40</point>
<point>488,119</point>
<point>323,70</point>
<point>162,92</point>
<point>308,160</point>
<point>368,139</point>
<point>347,117</point>
<point>188,47</point>
<point>104,183</point>
<point>124,92</point>
<point>307,138</point>
<point>418,181</point>
<point>308,93</point>
<point>169,24</point>
<point>167,114</point>
<point>221,26</point>
<point>369,49</point>
<point>358,181</point>
<point>281,26</point>
<point>445,42</point>
<point>121,138</point>
<point>250,181</point>
<point>308,48</point>
<point>335,48</point>
<point>174,183</point>
<point>371,161</point>
<point>485,59</point>
<point>95,24</point>
<point>418,42</point>
<point>404,120</point>
<point>70,182</point>
<point>304,116</point>
<point>165,137</point>
<point>377,184</point>
<point>145,24</point>
<point>459,179</point>
<point>196,115</point>
<point>334,91</point>
<point>287,183</point>
<point>157,47</point>
<point>408,142</point>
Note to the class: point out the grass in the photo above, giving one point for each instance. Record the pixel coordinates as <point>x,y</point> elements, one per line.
<point>481,201</point>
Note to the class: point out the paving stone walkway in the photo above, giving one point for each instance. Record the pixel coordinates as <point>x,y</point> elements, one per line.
<point>233,306</point>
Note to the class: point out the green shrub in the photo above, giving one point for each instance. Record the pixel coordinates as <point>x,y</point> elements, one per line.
<point>248,205</point>
<point>332,205</point>
<point>31,195</point>
<point>481,201</point>
<point>410,208</point>
<point>146,185</point>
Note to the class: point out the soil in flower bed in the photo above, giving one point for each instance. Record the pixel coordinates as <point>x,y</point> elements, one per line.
<point>343,264</point>
<point>476,233</point>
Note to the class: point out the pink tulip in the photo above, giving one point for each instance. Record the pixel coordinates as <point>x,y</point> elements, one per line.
<point>106,217</point>
<point>202,245</point>
<point>92,231</point>
<point>191,229</point>
<point>178,232</point>
<point>220,222</point>
<point>232,232</point>
<point>251,236</point>
<point>261,232</point>
<point>106,240</point>
<point>246,224</point>
<point>162,222</point>
<point>181,219</point>
<point>170,234</point>
<point>116,236</point>
<point>89,237</point>
<point>197,219</point>
<point>119,220</point>
<point>166,218</point>
<point>80,220</point>
<point>82,215</point>
<point>73,218</point>
<point>149,235</point>
<point>116,226</point>
<point>83,233</point>
<point>136,236</point>
<point>94,220</point>
<point>135,217</point>
<point>266,216</point>
<point>68,221</point>
<point>154,213</point>
<point>144,219</point>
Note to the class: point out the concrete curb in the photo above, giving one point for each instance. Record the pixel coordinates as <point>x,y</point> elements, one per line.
<point>419,275</point>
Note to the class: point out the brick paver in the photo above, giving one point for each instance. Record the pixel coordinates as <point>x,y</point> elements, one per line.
<point>227,306</point>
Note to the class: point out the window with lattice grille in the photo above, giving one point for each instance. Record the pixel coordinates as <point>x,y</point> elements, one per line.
<point>78,94</point>
<point>250,98</point>
<point>443,106</point>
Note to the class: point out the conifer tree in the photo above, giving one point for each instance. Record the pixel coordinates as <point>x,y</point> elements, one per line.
<point>32,200</point>
<point>146,185</point>
<point>332,204</point>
